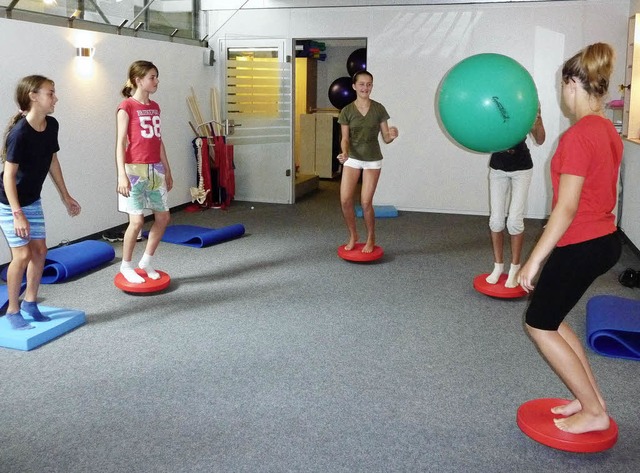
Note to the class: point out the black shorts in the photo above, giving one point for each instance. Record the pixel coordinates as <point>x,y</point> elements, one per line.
<point>567,275</point>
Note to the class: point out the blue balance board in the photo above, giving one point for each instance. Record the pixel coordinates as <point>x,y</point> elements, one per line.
<point>62,321</point>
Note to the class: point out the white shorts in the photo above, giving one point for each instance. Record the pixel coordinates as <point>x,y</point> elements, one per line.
<point>358,164</point>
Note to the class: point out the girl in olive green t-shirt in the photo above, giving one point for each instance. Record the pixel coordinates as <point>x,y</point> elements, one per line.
<point>361,121</point>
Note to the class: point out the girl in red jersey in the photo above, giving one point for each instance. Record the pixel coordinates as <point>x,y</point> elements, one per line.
<point>144,175</point>
<point>580,238</point>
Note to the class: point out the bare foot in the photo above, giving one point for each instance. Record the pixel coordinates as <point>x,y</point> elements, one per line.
<point>352,242</point>
<point>572,408</point>
<point>368,248</point>
<point>583,422</point>
<point>568,409</point>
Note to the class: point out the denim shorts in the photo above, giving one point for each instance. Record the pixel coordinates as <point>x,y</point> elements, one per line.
<point>34,215</point>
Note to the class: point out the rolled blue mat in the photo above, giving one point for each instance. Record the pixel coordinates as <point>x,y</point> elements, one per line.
<point>613,326</point>
<point>200,237</point>
<point>71,260</point>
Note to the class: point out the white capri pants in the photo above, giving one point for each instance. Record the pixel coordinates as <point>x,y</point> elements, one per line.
<point>500,183</point>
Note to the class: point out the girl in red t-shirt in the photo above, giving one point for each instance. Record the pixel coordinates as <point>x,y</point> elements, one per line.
<point>144,175</point>
<point>580,238</point>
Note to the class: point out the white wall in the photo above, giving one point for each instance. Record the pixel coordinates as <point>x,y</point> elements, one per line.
<point>410,49</point>
<point>86,112</point>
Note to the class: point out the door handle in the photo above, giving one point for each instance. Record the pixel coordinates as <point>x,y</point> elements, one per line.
<point>229,127</point>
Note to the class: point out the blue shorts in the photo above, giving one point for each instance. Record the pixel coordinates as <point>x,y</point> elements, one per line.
<point>34,215</point>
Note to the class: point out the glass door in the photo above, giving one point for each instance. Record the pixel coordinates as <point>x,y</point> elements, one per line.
<point>257,104</point>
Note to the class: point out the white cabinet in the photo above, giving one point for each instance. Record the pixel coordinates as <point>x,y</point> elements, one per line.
<point>631,115</point>
<point>629,221</point>
<point>630,215</point>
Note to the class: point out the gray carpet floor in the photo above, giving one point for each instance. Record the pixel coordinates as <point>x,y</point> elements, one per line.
<point>270,354</point>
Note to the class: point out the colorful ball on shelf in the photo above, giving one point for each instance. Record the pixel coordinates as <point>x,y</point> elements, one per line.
<point>488,102</point>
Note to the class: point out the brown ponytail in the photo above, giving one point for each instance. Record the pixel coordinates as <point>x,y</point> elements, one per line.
<point>592,67</point>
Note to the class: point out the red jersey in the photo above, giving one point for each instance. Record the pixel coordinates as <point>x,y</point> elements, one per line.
<point>591,149</point>
<point>143,135</point>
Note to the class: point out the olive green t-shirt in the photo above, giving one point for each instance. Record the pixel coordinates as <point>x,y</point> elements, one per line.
<point>364,130</point>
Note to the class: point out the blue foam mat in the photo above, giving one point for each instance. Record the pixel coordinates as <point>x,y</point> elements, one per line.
<point>200,237</point>
<point>71,260</point>
<point>62,321</point>
<point>380,211</point>
<point>613,326</point>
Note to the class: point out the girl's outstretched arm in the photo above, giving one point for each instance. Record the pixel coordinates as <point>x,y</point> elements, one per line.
<point>55,171</point>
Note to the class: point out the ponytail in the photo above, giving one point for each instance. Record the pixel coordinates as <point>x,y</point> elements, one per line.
<point>127,88</point>
<point>592,67</point>
<point>12,122</point>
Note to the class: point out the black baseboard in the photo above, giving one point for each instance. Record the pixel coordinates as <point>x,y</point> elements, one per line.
<point>629,243</point>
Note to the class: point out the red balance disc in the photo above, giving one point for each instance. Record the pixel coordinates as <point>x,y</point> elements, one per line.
<point>535,419</point>
<point>497,290</point>
<point>149,285</point>
<point>356,255</point>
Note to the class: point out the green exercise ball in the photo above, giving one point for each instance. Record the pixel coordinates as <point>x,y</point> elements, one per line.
<point>488,102</point>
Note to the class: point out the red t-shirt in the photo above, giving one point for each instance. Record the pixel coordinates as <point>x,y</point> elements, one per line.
<point>591,149</point>
<point>143,136</point>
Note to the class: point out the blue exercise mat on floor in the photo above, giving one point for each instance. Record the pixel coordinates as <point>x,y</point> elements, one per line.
<point>613,326</point>
<point>380,211</point>
<point>199,237</point>
<point>68,261</point>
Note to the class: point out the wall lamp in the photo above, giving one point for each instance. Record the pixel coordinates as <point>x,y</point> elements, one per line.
<point>85,52</point>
